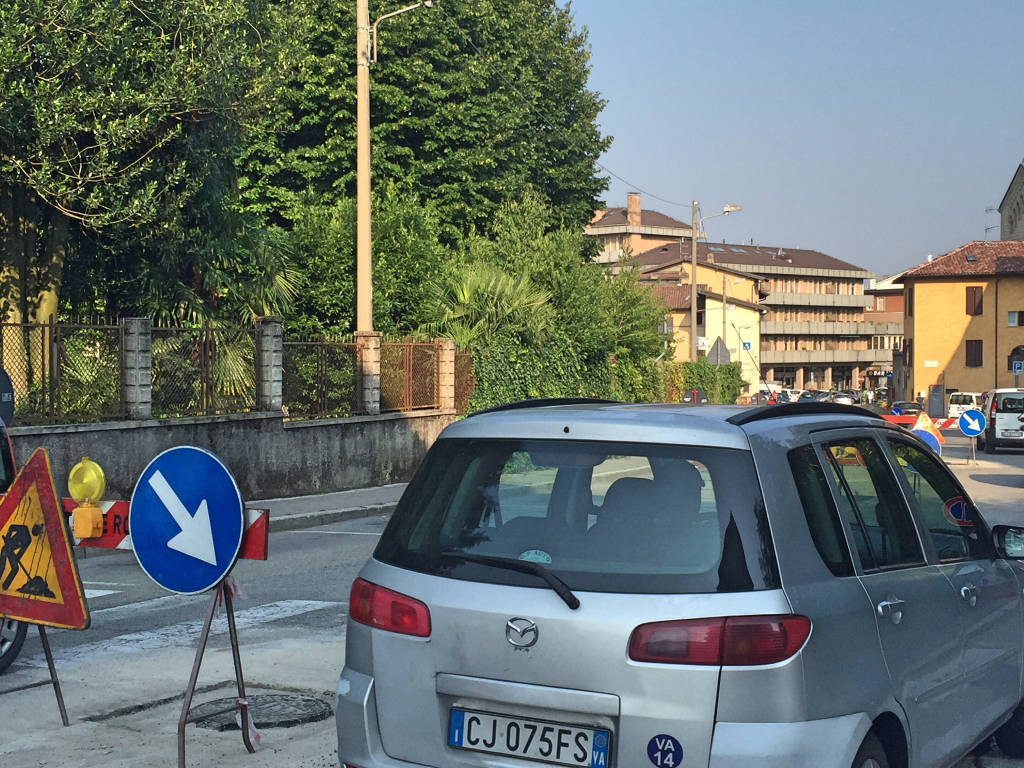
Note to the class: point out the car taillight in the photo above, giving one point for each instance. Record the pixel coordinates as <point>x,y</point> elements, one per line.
<point>382,608</point>
<point>732,641</point>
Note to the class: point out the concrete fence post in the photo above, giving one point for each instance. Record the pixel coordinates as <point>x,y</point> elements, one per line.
<point>138,367</point>
<point>269,364</point>
<point>368,370</point>
<point>445,374</point>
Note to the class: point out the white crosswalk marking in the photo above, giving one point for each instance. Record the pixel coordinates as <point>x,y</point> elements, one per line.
<point>185,633</point>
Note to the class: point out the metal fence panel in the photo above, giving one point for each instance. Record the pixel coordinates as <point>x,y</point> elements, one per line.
<point>319,378</point>
<point>88,373</point>
<point>25,353</point>
<point>464,380</point>
<point>408,375</point>
<point>206,370</point>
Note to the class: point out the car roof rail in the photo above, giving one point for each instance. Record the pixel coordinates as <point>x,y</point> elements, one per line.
<point>799,409</point>
<point>541,402</point>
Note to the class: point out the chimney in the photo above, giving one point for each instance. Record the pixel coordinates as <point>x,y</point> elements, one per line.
<point>633,209</point>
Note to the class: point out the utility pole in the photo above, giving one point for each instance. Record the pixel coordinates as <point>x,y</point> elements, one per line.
<point>693,280</point>
<point>364,283</point>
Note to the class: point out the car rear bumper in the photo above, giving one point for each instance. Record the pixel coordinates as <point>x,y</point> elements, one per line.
<point>810,744</point>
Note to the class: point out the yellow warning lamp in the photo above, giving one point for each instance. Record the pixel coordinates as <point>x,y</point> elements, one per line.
<point>86,483</point>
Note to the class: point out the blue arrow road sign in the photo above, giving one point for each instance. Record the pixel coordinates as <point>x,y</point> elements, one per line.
<point>186,520</point>
<point>971,422</point>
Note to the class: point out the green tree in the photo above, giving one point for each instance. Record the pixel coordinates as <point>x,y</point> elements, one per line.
<point>120,123</point>
<point>408,260</point>
<point>471,102</point>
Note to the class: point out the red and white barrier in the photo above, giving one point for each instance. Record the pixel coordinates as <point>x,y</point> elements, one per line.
<point>255,538</point>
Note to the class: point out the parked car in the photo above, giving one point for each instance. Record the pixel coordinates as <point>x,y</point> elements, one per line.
<point>906,407</point>
<point>962,401</point>
<point>12,633</point>
<point>617,585</point>
<point>815,396</point>
<point>847,394</point>
<point>1004,419</point>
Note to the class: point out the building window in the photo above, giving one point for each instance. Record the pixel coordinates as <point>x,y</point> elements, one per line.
<point>973,300</point>
<point>973,353</point>
<point>1015,318</point>
<point>908,300</point>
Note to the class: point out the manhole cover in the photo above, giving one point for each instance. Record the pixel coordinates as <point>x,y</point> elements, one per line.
<point>267,710</point>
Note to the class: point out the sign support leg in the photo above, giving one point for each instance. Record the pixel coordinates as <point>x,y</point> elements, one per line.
<point>52,681</point>
<point>191,689</point>
<point>53,675</point>
<point>241,703</point>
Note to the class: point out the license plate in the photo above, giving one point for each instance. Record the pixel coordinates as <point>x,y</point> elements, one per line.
<point>1011,433</point>
<point>533,739</point>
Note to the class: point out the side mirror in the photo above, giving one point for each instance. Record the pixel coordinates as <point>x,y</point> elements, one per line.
<point>1009,541</point>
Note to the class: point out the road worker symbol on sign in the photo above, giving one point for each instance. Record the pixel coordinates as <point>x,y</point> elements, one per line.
<point>38,579</point>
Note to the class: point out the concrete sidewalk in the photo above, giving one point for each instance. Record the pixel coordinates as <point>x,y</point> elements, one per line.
<point>307,511</point>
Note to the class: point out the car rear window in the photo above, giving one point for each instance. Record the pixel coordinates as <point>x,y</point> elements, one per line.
<point>1011,403</point>
<point>961,400</point>
<point>604,517</point>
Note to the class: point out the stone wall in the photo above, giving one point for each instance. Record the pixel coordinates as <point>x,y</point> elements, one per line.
<point>268,456</point>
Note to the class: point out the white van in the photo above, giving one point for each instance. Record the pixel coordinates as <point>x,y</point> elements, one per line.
<point>1004,412</point>
<point>962,401</point>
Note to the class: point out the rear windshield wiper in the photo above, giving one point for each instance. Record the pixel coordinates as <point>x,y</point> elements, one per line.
<point>523,566</point>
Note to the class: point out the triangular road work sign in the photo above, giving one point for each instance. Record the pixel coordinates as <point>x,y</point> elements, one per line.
<point>38,577</point>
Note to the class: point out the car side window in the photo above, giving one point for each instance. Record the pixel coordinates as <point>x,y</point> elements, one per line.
<point>870,505</point>
<point>951,520</point>
<point>820,510</point>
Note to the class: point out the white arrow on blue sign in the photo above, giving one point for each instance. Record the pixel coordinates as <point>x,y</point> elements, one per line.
<point>971,422</point>
<point>186,517</point>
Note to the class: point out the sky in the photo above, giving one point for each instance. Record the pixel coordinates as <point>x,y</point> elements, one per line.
<point>876,132</point>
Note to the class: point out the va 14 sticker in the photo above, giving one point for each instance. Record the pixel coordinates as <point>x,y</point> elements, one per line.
<point>664,750</point>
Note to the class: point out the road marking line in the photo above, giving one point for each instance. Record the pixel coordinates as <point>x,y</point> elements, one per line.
<point>105,584</point>
<point>91,593</point>
<point>184,634</point>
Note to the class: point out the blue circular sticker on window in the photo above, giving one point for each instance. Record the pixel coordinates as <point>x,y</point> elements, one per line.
<point>665,750</point>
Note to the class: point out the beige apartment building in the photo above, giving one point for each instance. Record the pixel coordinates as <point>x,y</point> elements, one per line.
<point>814,334</point>
<point>629,231</point>
<point>728,307</point>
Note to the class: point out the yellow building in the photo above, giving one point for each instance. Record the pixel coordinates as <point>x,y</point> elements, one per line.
<point>964,319</point>
<point>727,308</point>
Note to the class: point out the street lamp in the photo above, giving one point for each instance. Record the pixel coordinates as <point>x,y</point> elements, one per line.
<point>364,53</point>
<point>695,230</point>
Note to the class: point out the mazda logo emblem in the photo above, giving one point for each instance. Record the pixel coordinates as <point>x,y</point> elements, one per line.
<point>522,633</point>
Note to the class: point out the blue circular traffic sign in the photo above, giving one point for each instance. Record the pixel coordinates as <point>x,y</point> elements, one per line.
<point>971,422</point>
<point>186,520</point>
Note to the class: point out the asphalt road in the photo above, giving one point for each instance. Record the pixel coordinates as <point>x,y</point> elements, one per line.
<point>123,677</point>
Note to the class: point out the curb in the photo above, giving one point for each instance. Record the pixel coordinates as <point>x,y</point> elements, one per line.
<point>312,519</point>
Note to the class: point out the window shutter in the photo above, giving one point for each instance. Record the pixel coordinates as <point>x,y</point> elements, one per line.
<point>973,300</point>
<point>973,353</point>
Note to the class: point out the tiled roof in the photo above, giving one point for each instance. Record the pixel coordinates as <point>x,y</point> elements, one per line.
<point>618,217</point>
<point>675,296</point>
<point>976,258</point>
<point>749,257</point>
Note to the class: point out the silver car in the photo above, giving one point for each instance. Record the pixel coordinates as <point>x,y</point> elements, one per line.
<point>633,585</point>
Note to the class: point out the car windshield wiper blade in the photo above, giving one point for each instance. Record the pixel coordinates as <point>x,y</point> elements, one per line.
<point>523,566</point>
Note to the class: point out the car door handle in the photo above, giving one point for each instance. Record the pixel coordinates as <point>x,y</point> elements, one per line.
<point>891,608</point>
<point>969,594</point>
